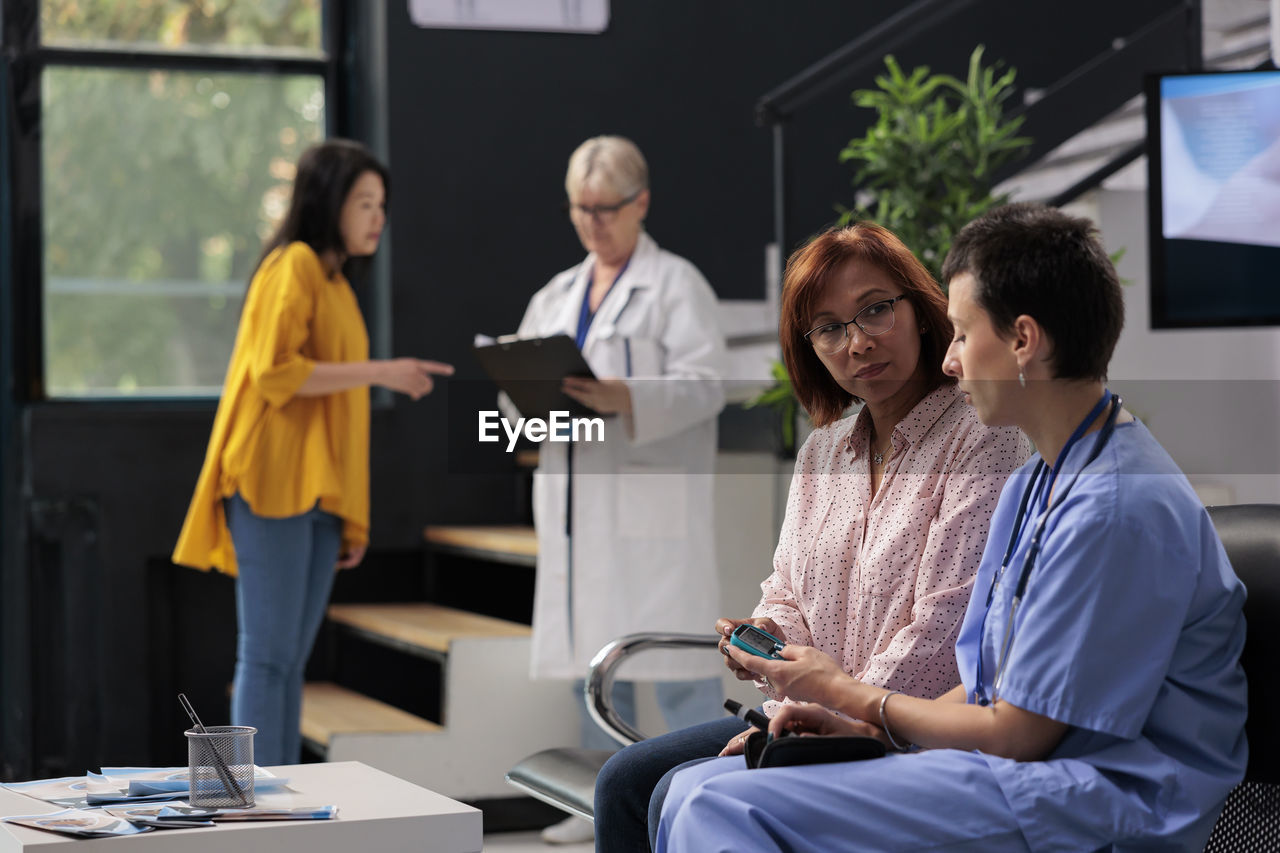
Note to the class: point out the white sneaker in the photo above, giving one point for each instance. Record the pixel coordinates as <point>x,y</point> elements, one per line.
<point>571,830</point>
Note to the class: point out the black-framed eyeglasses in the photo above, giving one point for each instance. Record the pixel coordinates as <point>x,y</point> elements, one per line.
<point>604,213</point>
<point>874,319</point>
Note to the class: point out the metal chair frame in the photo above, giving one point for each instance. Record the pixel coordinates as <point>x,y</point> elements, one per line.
<point>565,776</point>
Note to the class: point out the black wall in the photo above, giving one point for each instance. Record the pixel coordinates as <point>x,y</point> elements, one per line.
<point>480,126</point>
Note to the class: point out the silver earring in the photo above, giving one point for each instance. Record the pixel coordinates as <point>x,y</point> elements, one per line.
<point>1022,380</point>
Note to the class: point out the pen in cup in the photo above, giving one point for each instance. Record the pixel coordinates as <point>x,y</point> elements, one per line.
<point>224,773</point>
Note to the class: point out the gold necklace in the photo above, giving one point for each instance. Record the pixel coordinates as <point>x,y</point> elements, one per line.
<point>877,458</point>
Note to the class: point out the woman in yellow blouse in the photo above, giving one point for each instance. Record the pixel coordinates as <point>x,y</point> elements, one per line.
<point>283,496</point>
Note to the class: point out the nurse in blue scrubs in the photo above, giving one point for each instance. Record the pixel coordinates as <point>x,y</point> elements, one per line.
<point>1102,703</point>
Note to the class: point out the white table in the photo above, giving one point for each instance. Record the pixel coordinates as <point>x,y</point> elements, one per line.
<point>376,812</point>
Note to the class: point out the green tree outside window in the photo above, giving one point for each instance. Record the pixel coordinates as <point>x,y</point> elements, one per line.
<point>160,185</point>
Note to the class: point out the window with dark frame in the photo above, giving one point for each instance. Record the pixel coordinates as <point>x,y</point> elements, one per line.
<point>167,134</point>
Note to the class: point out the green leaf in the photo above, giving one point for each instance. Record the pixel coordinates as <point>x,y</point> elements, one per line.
<point>927,159</point>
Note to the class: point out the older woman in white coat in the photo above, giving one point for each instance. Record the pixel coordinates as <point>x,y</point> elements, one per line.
<point>625,526</point>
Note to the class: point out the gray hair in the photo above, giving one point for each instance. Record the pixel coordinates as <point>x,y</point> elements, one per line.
<point>614,161</point>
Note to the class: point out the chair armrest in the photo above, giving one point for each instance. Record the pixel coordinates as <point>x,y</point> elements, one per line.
<point>599,684</point>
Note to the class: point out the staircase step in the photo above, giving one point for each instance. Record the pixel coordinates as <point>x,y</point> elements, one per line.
<point>1241,58</point>
<point>467,756</point>
<point>419,628</point>
<point>329,711</point>
<point>515,544</point>
<point>1116,132</point>
<point>1235,37</point>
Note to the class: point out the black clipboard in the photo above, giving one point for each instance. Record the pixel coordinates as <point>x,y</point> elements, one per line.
<point>530,372</point>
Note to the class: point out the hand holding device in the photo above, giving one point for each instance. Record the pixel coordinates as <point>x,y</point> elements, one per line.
<point>725,628</point>
<point>798,672</point>
<point>752,639</point>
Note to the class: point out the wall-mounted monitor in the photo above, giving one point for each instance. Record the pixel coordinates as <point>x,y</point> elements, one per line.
<point>1213,154</point>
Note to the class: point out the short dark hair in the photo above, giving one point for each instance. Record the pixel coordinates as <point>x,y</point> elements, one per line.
<point>809,271</point>
<point>323,179</point>
<point>1036,260</point>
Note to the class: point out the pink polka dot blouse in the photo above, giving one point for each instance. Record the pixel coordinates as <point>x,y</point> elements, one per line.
<point>881,583</point>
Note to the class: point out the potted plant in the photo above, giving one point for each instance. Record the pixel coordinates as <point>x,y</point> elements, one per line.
<point>923,169</point>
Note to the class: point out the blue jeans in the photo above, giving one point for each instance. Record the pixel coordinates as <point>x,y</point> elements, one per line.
<point>286,574</point>
<point>632,785</point>
<point>683,704</point>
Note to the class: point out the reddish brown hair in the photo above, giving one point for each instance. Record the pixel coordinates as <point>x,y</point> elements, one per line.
<point>809,272</point>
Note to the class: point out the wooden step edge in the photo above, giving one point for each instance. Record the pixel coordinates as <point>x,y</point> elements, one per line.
<point>511,543</point>
<point>330,710</point>
<point>420,628</point>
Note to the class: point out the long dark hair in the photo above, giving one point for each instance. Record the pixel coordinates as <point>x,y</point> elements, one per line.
<point>325,175</point>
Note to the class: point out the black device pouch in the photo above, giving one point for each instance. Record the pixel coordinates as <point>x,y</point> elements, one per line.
<point>790,750</point>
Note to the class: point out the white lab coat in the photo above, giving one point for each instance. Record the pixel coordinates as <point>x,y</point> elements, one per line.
<point>641,556</point>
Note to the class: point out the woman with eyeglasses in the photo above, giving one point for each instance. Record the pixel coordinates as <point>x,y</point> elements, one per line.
<point>625,527</point>
<point>887,513</point>
<point>1100,703</point>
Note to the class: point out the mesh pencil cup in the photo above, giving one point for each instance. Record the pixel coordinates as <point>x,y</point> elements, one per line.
<point>221,766</point>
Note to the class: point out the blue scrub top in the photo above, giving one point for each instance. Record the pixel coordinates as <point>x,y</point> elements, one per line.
<point>1130,632</point>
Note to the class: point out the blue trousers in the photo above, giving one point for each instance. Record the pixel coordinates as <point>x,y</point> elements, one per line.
<point>286,574</point>
<point>941,799</point>
<point>632,785</point>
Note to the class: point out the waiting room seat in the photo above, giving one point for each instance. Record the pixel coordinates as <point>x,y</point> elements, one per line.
<point>565,777</point>
<point>1250,821</point>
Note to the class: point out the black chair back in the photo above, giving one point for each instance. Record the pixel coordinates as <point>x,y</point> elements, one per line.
<point>1250,821</point>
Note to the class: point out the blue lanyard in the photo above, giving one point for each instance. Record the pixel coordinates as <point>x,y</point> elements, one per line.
<point>1038,491</point>
<point>585,314</point>
<point>1042,490</point>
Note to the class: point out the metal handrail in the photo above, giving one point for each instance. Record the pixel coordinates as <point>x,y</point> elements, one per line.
<point>1099,61</point>
<point>1115,164</point>
<point>863,52</point>
<point>777,105</point>
<point>1057,110</point>
<point>599,684</point>
<point>1100,174</point>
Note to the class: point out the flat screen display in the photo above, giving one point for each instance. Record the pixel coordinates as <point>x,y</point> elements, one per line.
<point>1213,151</point>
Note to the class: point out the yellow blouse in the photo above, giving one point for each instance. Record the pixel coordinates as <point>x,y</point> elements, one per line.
<point>280,451</point>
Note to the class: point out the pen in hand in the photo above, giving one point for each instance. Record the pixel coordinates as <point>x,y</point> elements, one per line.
<point>751,715</point>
